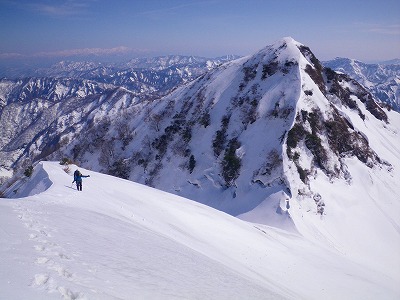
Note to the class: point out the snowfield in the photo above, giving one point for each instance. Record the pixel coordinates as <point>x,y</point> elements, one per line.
<point>122,240</point>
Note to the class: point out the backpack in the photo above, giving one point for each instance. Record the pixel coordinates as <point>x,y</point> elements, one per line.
<point>77,174</point>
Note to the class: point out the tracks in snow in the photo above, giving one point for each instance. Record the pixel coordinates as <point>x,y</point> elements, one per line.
<point>51,257</point>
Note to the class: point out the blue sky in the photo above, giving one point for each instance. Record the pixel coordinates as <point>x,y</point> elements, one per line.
<point>367,30</point>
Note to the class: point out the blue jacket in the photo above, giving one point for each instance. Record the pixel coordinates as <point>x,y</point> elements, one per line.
<point>78,177</point>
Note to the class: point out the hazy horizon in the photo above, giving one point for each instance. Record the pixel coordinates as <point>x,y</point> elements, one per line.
<point>70,29</point>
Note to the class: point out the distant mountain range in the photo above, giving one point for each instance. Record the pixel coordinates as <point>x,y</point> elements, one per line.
<point>382,80</point>
<point>158,75</point>
<point>140,75</point>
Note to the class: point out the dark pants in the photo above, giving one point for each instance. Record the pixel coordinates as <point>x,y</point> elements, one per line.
<point>79,185</point>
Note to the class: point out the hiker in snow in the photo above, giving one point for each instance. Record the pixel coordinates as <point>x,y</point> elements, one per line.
<point>78,179</point>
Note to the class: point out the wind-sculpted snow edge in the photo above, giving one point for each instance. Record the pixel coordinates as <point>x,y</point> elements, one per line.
<point>23,187</point>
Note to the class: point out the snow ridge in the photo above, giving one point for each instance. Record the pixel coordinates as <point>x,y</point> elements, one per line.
<point>119,239</point>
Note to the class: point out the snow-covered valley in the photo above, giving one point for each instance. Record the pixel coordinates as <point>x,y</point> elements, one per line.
<point>122,240</point>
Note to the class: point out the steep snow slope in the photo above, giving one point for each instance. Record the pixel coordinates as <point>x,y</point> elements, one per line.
<point>192,129</point>
<point>122,240</point>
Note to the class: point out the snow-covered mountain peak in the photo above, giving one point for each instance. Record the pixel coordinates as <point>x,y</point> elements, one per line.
<point>286,49</point>
<point>284,42</point>
<point>265,123</point>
